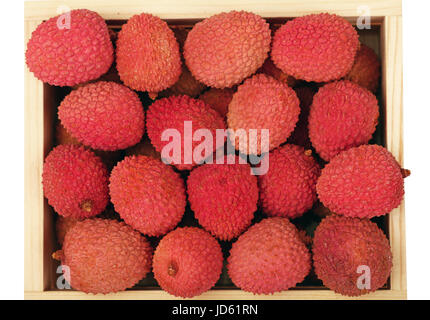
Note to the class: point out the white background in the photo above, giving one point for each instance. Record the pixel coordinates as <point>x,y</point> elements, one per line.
<point>416,148</point>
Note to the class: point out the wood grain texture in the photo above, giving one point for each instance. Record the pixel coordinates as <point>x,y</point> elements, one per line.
<point>392,89</point>
<point>214,295</point>
<point>33,194</point>
<point>194,9</point>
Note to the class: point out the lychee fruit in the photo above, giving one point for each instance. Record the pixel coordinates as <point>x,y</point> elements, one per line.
<point>366,69</point>
<point>187,262</point>
<point>269,257</point>
<point>226,48</point>
<point>109,158</point>
<point>147,54</point>
<point>147,194</point>
<point>75,182</point>
<point>363,182</point>
<point>144,148</point>
<point>342,115</point>
<point>69,49</point>
<point>103,256</point>
<point>351,256</point>
<point>103,115</point>
<point>270,69</point>
<point>218,99</point>
<point>288,189</point>
<point>262,102</point>
<point>62,225</point>
<point>316,47</point>
<point>223,197</point>
<point>175,114</point>
<point>186,84</point>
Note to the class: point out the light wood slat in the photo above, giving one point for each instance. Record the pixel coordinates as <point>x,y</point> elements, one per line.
<point>392,85</point>
<point>215,295</point>
<point>33,196</point>
<point>193,9</point>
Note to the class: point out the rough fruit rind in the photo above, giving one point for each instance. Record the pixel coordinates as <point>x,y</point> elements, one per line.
<point>187,262</point>
<point>226,48</point>
<point>147,54</point>
<point>344,248</point>
<point>288,189</point>
<point>218,99</point>
<point>75,182</point>
<point>342,115</point>
<point>363,182</point>
<point>104,256</point>
<point>307,47</point>
<point>63,55</point>
<point>366,69</point>
<point>103,115</point>
<point>147,194</point>
<point>269,257</point>
<point>172,113</point>
<point>262,102</point>
<point>223,197</point>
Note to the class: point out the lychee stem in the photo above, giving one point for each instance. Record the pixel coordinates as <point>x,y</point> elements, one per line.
<point>86,205</point>
<point>405,172</point>
<point>172,269</point>
<point>58,255</point>
<point>308,152</point>
<point>153,95</point>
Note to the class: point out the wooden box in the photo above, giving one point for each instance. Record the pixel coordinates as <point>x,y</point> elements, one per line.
<point>41,102</point>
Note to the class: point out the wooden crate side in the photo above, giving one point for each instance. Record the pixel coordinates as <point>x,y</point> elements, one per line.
<point>214,295</point>
<point>193,9</point>
<point>392,88</point>
<point>33,162</point>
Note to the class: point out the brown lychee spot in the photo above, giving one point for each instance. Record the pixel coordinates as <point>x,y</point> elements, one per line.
<point>172,269</point>
<point>58,255</point>
<point>153,95</point>
<point>86,205</point>
<point>405,172</point>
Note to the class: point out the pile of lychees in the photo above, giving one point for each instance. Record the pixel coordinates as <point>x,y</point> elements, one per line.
<point>309,82</point>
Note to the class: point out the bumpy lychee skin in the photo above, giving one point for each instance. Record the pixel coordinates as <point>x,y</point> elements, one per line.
<point>362,182</point>
<point>366,69</point>
<point>147,194</point>
<point>218,99</point>
<point>300,135</point>
<point>109,158</point>
<point>187,262</point>
<point>186,84</point>
<point>316,47</point>
<point>269,257</point>
<point>66,55</point>
<point>345,250</point>
<point>144,148</point>
<point>147,54</point>
<point>342,115</point>
<point>176,113</point>
<point>288,189</point>
<point>104,256</point>
<point>103,115</point>
<point>270,69</point>
<point>226,48</point>
<point>62,225</point>
<point>231,211</point>
<point>75,182</point>
<point>262,102</point>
